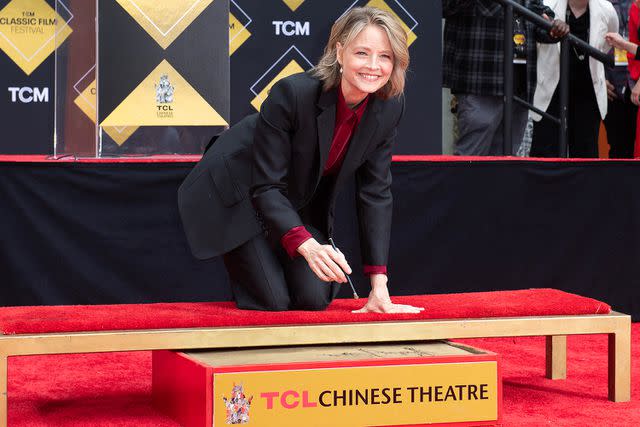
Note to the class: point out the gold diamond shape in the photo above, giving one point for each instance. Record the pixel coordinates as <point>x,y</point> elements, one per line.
<point>164,21</point>
<point>381,4</point>
<point>292,68</point>
<point>86,101</point>
<point>141,108</point>
<point>238,34</point>
<point>293,4</point>
<point>119,134</point>
<point>30,31</point>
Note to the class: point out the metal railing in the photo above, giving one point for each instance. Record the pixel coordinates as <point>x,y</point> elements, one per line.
<point>510,6</point>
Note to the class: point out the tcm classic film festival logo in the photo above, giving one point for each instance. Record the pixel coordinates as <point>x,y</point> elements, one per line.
<point>30,30</point>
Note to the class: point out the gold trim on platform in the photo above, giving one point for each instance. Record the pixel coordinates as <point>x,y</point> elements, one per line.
<point>616,325</point>
<point>556,355</point>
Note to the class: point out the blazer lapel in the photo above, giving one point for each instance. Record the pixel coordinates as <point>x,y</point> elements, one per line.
<point>361,138</point>
<point>326,121</point>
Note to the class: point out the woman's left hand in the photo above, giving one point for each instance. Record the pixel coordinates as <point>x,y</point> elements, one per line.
<point>380,302</point>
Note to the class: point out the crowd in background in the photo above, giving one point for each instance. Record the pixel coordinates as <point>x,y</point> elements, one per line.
<point>473,68</point>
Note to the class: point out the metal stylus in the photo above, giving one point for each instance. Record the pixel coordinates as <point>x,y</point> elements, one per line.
<point>355,294</point>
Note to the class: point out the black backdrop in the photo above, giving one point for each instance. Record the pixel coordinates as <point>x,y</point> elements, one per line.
<point>78,233</point>
<point>107,233</point>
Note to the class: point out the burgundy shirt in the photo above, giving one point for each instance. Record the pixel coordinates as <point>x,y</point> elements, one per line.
<point>346,122</point>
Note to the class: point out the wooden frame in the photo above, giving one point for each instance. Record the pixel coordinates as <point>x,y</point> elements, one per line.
<point>555,328</point>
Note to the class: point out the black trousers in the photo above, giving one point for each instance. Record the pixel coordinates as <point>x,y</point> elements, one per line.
<point>621,127</point>
<point>264,277</point>
<point>584,127</point>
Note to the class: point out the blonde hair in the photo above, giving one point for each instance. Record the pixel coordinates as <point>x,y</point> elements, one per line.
<point>347,28</point>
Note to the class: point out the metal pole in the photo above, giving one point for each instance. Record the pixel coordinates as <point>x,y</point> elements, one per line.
<point>507,115</point>
<point>564,98</point>
<point>541,22</point>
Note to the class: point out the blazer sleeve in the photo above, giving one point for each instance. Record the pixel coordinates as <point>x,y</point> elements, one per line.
<point>271,159</point>
<point>374,201</point>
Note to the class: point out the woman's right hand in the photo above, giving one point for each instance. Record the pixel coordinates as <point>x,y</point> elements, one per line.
<point>327,263</point>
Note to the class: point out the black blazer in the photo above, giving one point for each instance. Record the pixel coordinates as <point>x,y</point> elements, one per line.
<point>273,162</point>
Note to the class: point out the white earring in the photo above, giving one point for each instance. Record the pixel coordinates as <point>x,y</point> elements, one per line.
<point>340,70</point>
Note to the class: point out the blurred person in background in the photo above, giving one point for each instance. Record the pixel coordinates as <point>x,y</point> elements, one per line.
<point>473,68</point>
<point>631,47</point>
<point>589,20</point>
<point>620,122</point>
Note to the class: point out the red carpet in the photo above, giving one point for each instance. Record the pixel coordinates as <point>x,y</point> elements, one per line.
<point>114,389</point>
<point>531,302</point>
<point>176,158</point>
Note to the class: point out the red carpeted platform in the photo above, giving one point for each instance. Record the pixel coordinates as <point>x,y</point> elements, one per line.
<point>114,389</point>
<point>531,302</point>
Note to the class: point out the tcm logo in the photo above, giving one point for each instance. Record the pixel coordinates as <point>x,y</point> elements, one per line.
<point>290,28</point>
<point>27,95</point>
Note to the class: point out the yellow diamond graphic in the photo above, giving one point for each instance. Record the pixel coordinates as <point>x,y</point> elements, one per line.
<point>86,101</point>
<point>293,4</point>
<point>119,135</point>
<point>30,30</point>
<point>164,21</point>
<point>184,107</point>
<point>292,68</point>
<point>381,4</point>
<point>238,34</point>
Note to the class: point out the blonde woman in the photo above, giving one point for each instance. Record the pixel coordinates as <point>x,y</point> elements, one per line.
<point>264,194</point>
